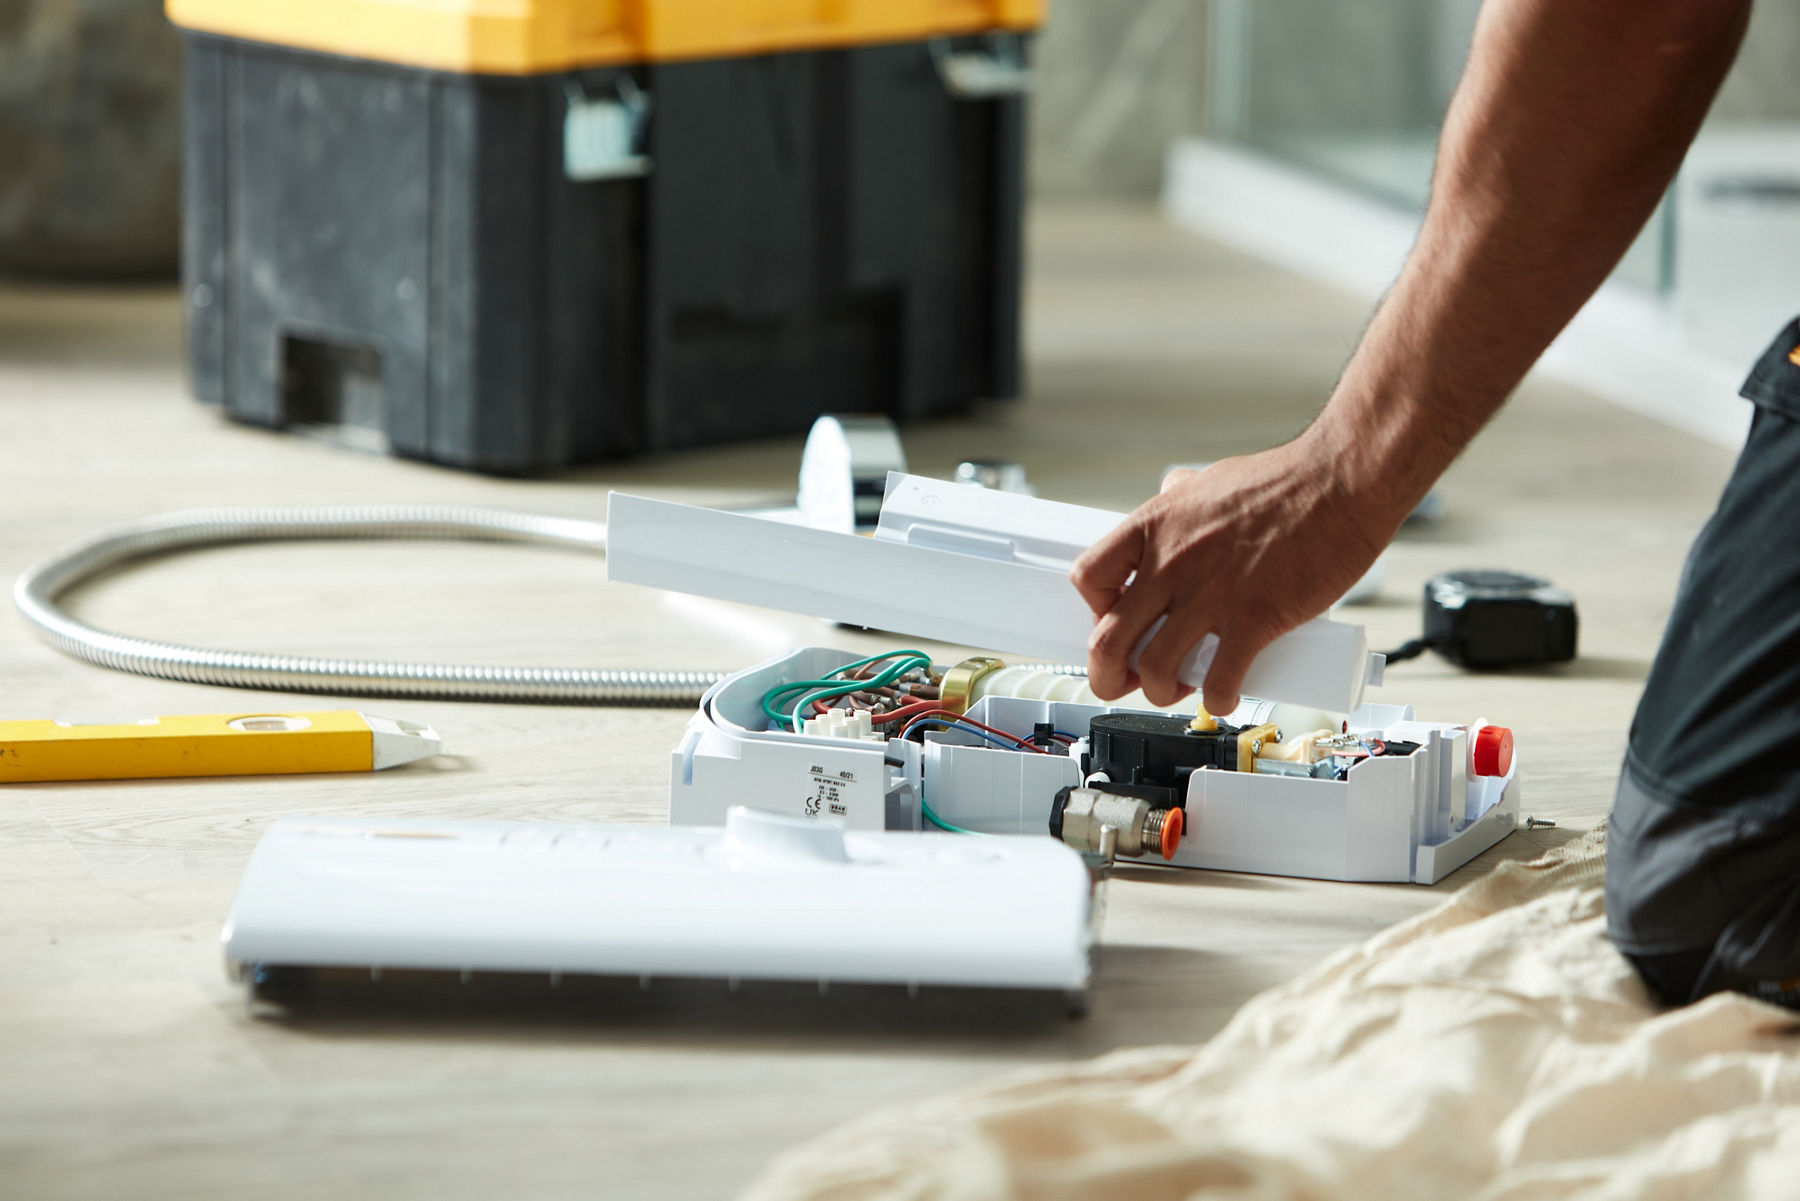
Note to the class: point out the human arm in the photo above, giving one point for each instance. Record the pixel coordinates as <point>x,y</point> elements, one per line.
<point>1571,118</point>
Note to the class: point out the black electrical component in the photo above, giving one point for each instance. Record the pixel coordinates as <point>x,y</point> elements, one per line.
<point>1498,619</point>
<point>1153,755</point>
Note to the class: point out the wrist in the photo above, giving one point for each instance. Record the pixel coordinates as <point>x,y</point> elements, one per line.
<point>1378,467</point>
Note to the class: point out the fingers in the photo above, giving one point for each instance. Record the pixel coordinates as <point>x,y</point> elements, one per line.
<point>1100,575</point>
<point>1231,662</point>
<point>1102,570</point>
<point>1117,635</point>
<point>1160,663</point>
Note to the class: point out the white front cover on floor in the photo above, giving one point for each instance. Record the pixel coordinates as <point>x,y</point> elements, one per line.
<point>764,897</point>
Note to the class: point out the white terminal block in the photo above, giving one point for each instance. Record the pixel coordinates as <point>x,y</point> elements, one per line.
<point>970,565</point>
<point>841,723</point>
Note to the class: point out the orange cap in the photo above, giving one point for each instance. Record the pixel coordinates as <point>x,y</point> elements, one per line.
<point>1171,832</point>
<point>1493,752</point>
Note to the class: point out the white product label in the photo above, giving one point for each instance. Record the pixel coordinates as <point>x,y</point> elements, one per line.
<point>825,791</point>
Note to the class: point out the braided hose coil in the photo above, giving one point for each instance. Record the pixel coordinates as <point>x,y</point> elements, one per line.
<point>38,591</point>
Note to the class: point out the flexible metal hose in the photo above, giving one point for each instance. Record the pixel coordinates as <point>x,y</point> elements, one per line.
<point>37,592</point>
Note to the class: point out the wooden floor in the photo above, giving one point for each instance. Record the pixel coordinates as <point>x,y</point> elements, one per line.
<point>129,1066</point>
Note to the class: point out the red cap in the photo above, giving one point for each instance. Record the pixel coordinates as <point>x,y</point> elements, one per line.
<point>1493,751</point>
<point>1171,832</point>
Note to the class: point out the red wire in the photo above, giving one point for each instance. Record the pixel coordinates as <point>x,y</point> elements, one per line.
<point>907,712</point>
<point>918,709</point>
<point>912,709</point>
<point>1024,743</point>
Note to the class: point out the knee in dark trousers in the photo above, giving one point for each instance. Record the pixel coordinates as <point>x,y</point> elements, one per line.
<point>1704,899</point>
<point>1703,849</point>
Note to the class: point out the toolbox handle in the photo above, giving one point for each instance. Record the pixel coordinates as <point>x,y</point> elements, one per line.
<point>998,71</point>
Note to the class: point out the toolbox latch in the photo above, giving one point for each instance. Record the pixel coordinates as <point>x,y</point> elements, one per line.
<point>997,71</point>
<point>604,138</point>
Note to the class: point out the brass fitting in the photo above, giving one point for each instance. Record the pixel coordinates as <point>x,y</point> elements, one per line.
<point>1085,816</point>
<point>958,684</point>
<point>1252,741</point>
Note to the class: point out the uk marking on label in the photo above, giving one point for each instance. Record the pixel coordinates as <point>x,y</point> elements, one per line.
<point>825,792</point>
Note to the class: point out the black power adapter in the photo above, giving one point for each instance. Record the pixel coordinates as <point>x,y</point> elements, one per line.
<point>1490,619</point>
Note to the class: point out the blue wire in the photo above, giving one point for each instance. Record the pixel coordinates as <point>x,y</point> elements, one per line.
<point>952,723</point>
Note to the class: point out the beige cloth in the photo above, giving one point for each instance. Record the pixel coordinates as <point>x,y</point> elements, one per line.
<point>1494,1047</point>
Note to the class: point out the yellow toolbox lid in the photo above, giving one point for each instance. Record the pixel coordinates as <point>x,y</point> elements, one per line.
<point>524,37</point>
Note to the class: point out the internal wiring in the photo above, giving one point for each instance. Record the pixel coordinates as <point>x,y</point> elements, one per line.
<point>1014,741</point>
<point>904,663</point>
<point>884,716</point>
<point>880,681</point>
<point>893,688</point>
<point>969,727</point>
<point>1011,742</point>
<point>921,708</point>
<point>836,683</point>
<point>886,684</point>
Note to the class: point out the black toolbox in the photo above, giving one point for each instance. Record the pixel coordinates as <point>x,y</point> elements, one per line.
<point>514,271</point>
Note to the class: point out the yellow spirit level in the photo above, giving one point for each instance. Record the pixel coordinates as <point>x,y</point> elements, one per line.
<point>250,744</point>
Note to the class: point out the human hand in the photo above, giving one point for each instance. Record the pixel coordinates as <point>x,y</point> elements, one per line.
<point>1247,550</point>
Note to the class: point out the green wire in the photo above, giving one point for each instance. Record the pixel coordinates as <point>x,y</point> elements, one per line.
<point>904,661</point>
<point>879,680</point>
<point>823,689</point>
<point>915,658</point>
<point>945,826</point>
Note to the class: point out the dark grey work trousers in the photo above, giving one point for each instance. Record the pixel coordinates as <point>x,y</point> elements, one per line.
<point>1703,847</point>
